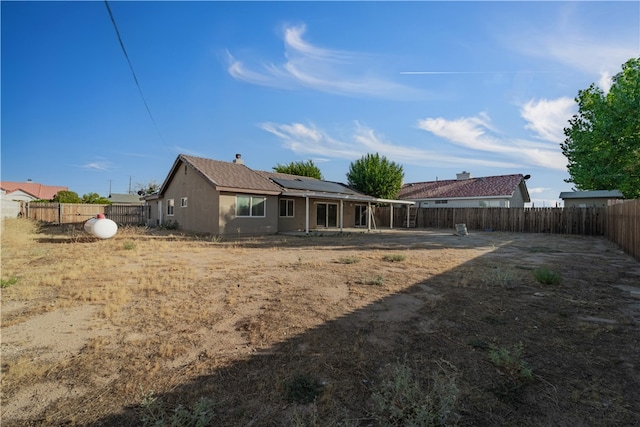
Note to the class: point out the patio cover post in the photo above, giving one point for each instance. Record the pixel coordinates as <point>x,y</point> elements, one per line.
<point>306,226</point>
<point>408,210</point>
<point>341,214</point>
<point>391,219</point>
<point>369,216</point>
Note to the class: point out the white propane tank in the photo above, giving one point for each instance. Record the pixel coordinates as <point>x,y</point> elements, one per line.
<point>101,227</point>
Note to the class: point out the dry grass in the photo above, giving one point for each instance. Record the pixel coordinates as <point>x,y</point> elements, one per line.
<point>246,322</point>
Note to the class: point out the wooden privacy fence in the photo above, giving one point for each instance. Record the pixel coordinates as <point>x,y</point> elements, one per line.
<point>622,226</point>
<point>74,213</point>
<point>584,221</point>
<point>619,223</point>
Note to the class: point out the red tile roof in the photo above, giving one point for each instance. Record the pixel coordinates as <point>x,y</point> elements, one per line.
<point>39,191</point>
<point>488,186</point>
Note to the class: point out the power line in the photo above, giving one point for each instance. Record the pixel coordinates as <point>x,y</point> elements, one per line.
<point>135,78</point>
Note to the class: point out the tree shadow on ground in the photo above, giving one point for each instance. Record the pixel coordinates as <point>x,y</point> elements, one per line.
<point>582,372</point>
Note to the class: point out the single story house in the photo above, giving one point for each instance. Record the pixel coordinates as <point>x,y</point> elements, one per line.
<point>228,198</point>
<point>29,191</point>
<point>588,199</point>
<point>126,199</point>
<point>509,191</point>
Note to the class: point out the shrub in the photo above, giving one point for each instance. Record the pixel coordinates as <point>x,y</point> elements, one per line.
<point>170,225</point>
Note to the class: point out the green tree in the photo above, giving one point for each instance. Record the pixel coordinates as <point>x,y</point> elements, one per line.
<point>603,139</point>
<point>66,197</point>
<point>299,168</point>
<point>376,176</point>
<point>94,198</point>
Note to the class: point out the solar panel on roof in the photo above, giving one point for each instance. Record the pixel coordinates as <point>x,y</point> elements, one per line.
<point>313,185</point>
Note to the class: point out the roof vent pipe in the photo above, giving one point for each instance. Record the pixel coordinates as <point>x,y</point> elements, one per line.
<point>238,159</point>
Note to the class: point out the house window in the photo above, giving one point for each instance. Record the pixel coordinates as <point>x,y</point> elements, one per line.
<point>169,207</point>
<point>286,208</point>
<point>441,202</point>
<point>183,202</point>
<point>251,206</point>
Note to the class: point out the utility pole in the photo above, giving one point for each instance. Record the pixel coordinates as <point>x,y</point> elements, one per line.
<point>130,184</point>
<point>110,187</point>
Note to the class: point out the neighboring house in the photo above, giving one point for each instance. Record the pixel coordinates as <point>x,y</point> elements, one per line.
<point>508,191</point>
<point>126,199</point>
<point>29,190</point>
<point>588,199</point>
<point>228,198</point>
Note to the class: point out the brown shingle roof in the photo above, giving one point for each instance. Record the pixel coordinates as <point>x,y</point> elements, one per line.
<point>488,186</point>
<point>227,175</point>
<point>39,191</point>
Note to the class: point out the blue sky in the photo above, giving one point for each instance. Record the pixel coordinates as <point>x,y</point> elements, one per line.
<point>438,87</point>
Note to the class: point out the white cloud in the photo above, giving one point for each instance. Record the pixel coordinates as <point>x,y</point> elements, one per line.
<point>476,133</point>
<point>538,190</point>
<point>309,140</point>
<point>547,118</point>
<point>326,70</point>
<point>605,81</point>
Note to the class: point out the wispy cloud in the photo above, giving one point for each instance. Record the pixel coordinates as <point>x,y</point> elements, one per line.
<point>183,150</point>
<point>477,135</point>
<point>577,46</point>
<point>100,165</point>
<point>326,70</point>
<point>547,118</point>
<point>309,140</point>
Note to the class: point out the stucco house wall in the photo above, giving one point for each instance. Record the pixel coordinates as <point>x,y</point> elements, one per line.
<point>297,222</point>
<point>195,202</point>
<point>231,224</point>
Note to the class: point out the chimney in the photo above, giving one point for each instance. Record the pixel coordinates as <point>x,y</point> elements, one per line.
<point>238,159</point>
<point>463,175</point>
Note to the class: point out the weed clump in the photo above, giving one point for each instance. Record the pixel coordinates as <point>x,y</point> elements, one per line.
<point>511,363</point>
<point>394,258</point>
<point>5,283</point>
<point>154,413</point>
<point>402,400</point>
<point>377,280</point>
<point>547,276</point>
<point>349,260</point>
<point>302,389</point>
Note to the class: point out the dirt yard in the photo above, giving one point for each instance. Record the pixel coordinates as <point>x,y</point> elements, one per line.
<point>405,327</point>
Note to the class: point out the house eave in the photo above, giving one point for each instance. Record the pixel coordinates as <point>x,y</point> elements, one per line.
<point>246,191</point>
